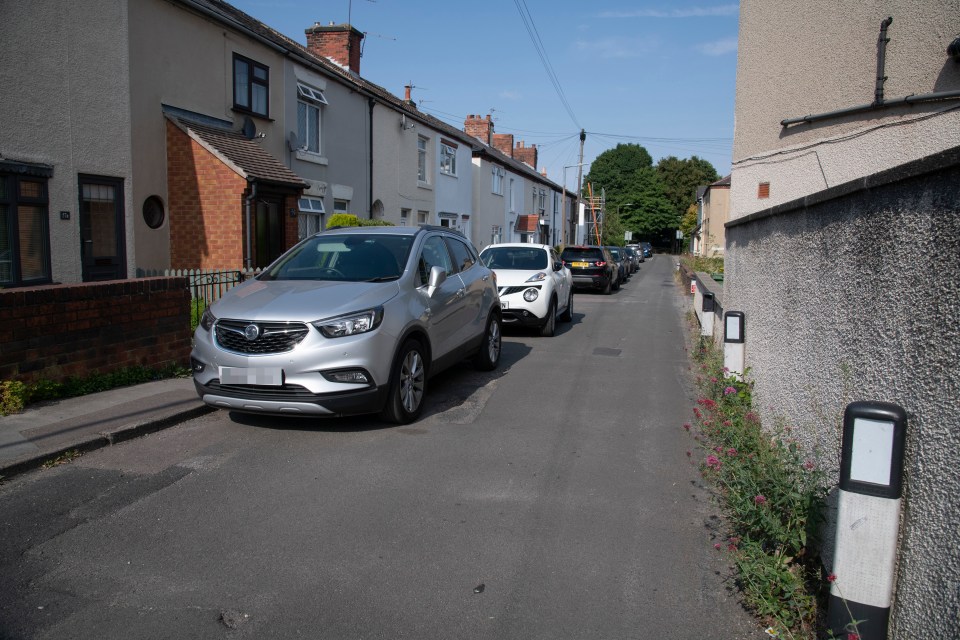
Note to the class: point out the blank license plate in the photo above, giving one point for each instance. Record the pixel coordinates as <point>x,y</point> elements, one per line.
<point>580,265</point>
<point>267,376</point>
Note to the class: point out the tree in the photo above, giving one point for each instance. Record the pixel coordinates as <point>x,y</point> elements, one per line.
<point>689,222</point>
<point>680,179</point>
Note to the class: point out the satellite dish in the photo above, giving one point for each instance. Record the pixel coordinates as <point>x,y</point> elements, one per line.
<point>249,128</point>
<point>293,142</point>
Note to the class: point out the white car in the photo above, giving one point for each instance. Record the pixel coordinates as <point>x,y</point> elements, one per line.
<point>535,287</point>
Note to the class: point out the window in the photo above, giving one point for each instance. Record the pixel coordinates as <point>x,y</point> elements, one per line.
<point>404,217</point>
<point>542,201</point>
<point>513,206</point>
<point>421,159</point>
<point>462,256</point>
<point>24,230</point>
<point>341,206</point>
<point>496,234</point>
<point>434,254</point>
<point>497,183</point>
<point>251,86</point>
<point>422,217</point>
<point>448,220</point>
<point>448,158</point>
<point>309,101</point>
<point>310,220</point>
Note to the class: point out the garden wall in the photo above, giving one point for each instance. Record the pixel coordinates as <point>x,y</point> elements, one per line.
<point>850,294</point>
<point>57,331</point>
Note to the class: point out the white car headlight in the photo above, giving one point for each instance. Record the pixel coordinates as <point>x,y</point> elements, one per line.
<point>351,324</point>
<point>537,277</point>
<point>530,295</point>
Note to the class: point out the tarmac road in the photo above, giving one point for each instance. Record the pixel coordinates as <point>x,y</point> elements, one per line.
<point>550,499</point>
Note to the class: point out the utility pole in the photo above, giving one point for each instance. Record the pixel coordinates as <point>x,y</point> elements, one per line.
<point>576,200</point>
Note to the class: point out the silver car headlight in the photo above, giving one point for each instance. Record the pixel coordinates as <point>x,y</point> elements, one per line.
<point>530,295</point>
<point>207,320</point>
<point>350,324</point>
<point>537,277</point>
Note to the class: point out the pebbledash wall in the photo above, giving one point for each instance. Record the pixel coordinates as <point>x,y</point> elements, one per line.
<point>851,294</point>
<point>57,331</point>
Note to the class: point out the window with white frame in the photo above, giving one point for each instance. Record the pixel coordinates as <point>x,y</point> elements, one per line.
<point>404,217</point>
<point>496,185</point>
<point>542,201</point>
<point>422,216</point>
<point>341,206</point>
<point>310,217</point>
<point>496,234</point>
<point>513,206</point>
<point>448,158</point>
<point>421,159</point>
<point>309,103</point>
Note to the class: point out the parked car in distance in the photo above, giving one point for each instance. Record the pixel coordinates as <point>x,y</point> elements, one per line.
<point>592,267</point>
<point>638,251</point>
<point>634,257</point>
<point>534,285</point>
<point>623,262</point>
<point>349,321</point>
<point>647,249</point>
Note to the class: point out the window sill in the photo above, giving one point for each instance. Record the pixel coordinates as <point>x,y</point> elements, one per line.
<point>449,175</point>
<point>306,156</point>
<point>424,185</point>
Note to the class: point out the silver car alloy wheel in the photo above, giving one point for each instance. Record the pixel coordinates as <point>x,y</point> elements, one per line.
<point>412,377</point>
<point>493,342</point>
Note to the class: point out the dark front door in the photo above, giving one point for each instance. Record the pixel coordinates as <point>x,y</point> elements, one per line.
<point>269,231</point>
<point>103,246</point>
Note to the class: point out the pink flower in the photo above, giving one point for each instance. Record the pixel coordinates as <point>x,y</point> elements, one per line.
<point>686,427</point>
<point>853,635</point>
<point>729,390</point>
<point>696,411</point>
<point>832,577</point>
<point>689,454</point>
<point>808,465</point>
<point>731,547</point>
<point>726,369</point>
<point>759,499</point>
<point>714,462</point>
<point>728,423</point>
<point>731,452</point>
<point>717,546</point>
<point>713,380</point>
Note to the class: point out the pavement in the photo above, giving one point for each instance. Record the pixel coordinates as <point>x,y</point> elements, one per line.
<point>46,431</point>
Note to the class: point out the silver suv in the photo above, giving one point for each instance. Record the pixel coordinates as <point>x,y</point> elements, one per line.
<point>349,321</point>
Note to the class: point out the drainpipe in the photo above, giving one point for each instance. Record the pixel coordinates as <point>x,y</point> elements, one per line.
<point>882,41</point>
<point>372,103</point>
<point>879,101</point>
<point>253,194</point>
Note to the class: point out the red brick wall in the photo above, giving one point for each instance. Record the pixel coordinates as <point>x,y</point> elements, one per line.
<point>57,331</point>
<point>206,206</point>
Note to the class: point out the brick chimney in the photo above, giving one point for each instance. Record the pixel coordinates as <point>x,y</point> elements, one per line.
<point>338,42</point>
<point>480,128</point>
<point>526,154</point>
<point>503,142</point>
<point>406,96</point>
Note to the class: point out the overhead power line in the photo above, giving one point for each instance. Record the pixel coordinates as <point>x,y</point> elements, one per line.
<point>542,52</point>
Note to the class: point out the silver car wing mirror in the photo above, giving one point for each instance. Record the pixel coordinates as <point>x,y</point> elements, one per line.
<point>438,276</point>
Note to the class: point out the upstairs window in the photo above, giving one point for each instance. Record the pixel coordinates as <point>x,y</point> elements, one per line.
<point>251,86</point>
<point>421,159</point>
<point>448,158</point>
<point>542,202</point>
<point>309,103</point>
<point>497,183</point>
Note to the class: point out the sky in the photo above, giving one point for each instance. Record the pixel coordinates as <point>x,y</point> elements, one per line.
<point>659,73</point>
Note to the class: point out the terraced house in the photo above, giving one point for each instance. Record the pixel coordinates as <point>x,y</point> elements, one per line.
<point>187,134</point>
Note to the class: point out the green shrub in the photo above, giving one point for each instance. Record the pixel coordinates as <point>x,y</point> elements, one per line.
<point>350,220</point>
<point>13,397</point>
<point>771,493</point>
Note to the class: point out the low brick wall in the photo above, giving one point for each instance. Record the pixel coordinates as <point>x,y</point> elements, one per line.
<point>57,331</point>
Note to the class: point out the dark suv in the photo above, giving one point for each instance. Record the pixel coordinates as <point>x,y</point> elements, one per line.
<point>592,267</point>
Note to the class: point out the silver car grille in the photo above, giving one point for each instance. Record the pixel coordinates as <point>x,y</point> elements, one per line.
<point>268,337</point>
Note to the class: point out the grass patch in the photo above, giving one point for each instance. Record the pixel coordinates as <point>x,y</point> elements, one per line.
<point>63,458</point>
<point>772,494</point>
